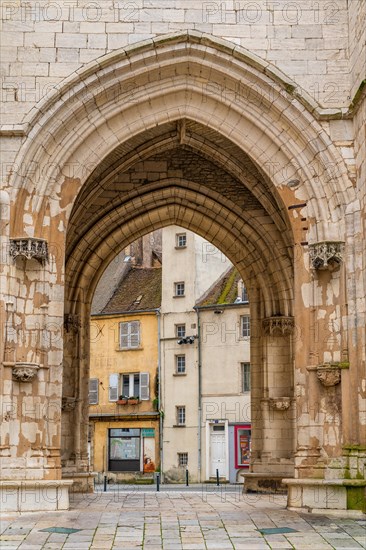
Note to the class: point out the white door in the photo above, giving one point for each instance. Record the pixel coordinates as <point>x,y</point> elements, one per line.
<point>218,450</point>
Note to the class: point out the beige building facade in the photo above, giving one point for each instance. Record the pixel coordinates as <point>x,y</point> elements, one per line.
<point>244,126</point>
<point>203,352</point>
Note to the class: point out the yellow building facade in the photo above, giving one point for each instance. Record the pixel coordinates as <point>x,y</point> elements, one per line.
<point>123,388</point>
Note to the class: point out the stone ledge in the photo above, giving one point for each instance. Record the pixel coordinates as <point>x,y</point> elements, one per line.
<point>263,483</point>
<point>317,495</point>
<point>34,495</point>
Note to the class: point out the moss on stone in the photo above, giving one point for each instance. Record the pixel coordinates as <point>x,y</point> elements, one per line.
<point>356,498</point>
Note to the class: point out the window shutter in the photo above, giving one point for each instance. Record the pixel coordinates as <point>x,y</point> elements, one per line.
<point>113,387</point>
<point>93,391</point>
<point>123,335</point>
<point>144,386</point>
<point>134,334</point>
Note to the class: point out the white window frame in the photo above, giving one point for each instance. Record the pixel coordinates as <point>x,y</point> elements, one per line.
<point>179,289</point>
<point>93,391</point>
<point>244,295</point>
<point>180,363</point>
<point>184,463</point>
<point>245,326</point>
<point>116,385</point>
<point>245,377</point>
<point>178,238</point>
<point>133,331</point>
<point>178,327</point>
<point>181,415</point>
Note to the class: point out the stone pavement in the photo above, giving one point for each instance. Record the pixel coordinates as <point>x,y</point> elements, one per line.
<point>212,518</point>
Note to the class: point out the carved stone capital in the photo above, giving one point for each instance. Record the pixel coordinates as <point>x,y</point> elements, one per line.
<point>24,372</point>
<point>278,326</point>
<point>71,322</point>
<point>326,255</point>
<point>280,403</point>
<point>68,403</point>
<point>29,248</point>
<point>329,375</point>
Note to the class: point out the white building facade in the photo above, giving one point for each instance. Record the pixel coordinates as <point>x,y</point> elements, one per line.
<point>205,362</point>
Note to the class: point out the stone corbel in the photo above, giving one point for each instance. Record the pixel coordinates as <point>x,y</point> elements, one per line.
<point>326,255</point>
<point>280,403</point>
<point>29,248</point>
<point>68,403</point>
<point>71,322</point>
<point>25,372</point>
<point>329,374</point>
<point>278,326</point>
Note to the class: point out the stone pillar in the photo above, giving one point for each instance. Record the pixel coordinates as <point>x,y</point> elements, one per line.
<point>75,400</point>
<point>273,447</point>
<point>31,376</point>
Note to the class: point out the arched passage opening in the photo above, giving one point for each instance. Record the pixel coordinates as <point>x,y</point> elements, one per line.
<point>188,131</point>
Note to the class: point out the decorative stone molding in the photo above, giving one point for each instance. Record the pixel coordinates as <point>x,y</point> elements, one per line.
<point>29,248</point>
<point>280,403</point>
<point>326,255</point>
<point>71,322</point>
<point>25,372</point>
<point>68,403</point>
<point>329,375</point>
<point>278,326</point>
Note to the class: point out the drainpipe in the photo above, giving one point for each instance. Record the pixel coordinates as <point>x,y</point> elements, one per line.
<point>199,394</point>
<point>160,393</point>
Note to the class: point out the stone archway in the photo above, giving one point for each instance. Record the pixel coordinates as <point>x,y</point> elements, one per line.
<point>249,166</point>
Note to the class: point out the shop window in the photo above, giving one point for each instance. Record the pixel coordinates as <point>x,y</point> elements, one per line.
<point>242,446</point>
<point>124,450</point>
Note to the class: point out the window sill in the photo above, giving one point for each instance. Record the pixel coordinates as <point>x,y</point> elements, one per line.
<point>179,374</point>
<point>181,296</point>
<point>129,349</point>
<point>180,247</point>
<point>179,425</point>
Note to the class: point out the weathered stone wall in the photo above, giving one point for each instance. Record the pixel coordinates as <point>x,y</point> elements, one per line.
<point>47,41</point>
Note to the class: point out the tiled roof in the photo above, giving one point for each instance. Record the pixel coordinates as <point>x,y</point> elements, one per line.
<point>139,290</point>
<point>224,291</point>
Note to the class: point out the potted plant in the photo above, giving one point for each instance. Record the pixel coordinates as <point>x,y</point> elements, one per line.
<point>122,400</point>
<point>133,400</point>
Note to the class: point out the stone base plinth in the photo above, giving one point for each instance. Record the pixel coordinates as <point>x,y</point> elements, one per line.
<point>317,495</point>
<point>83,482</point>
<point>264,483</point>
<point>34,495</point>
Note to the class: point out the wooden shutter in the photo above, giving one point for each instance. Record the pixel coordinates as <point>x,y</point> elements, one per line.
<point>123,335</point>
<point>134,327</point>
<point>93,391</point>
<point>144,386</point>
<point>113,387</point>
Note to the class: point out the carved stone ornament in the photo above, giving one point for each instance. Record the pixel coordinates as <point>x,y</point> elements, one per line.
<point>278,326</point>
<point>326,255</point>
<point>280,403</point>
<point>24,372</point>
<point>68,403</point>
<point>71,322</point>
<point>329,375</point>
<point>29,248</point>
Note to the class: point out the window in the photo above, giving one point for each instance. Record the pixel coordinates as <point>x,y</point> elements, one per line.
<point>181,240</point>
<point>124,450</point>
<point>129,385</point>
<point>245,326</point>
<point>93,391</point>
<point>180,331</point>
<point>181,416</point>
<point>245,377</point>
<point>180,364</point>
<point>179,289</point>
<point>244,295</point>
<point>129,335</point>
<point>183,459</point>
